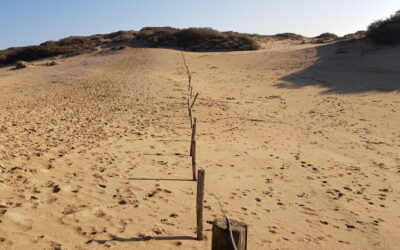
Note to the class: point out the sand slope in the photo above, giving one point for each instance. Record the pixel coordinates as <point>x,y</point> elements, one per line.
<point>299,142</point>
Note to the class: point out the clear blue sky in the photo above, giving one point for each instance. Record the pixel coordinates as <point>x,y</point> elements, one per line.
<point>28,22</point>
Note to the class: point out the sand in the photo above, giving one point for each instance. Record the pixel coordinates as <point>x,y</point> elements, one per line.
<point>298,141</point>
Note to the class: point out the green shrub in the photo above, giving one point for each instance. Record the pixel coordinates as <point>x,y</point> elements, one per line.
<point>73,44</point>
<point>21,65</point>
<point>196,39</point>
<point>33,52</point>
<point>120,36</point>
<point>327,35</point>
<point>291,36</point>
<point>386,31</point>
<point>356,35</point>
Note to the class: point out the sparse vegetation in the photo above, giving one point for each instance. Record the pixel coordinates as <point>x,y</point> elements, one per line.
<point>73,44</point>
<point>52,63</point>
<point>357,35</point>
<point>326,38</point>
<point>32,52</point>
<point>21,65</point>
<point>327,35</point>
<point>120,36</point>
<point>291,36</point>
<point>196,39</point>
<point>385,31</point>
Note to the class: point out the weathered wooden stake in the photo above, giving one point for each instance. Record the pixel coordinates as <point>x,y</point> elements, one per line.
<point>199,204</point>
<point>193,137</point>
<point>194,159</point>
<point>195,97</point>
<point>189,77</point>
<point>221,235</point>
<point>191,117</point>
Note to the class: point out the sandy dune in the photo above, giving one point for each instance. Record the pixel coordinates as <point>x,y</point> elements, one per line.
<point>298,141</point>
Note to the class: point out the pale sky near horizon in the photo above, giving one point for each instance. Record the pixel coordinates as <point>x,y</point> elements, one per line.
<point>30,22</point>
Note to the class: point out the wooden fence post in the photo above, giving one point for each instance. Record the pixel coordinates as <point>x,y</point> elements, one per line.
<point>222,237</point>
<point>194,159</point>
<point>193,148</point>
<point>199,203</point>
<point>195,97</point>
<point>189,77</point>
<point>191,118</point>
<point>193,135</point>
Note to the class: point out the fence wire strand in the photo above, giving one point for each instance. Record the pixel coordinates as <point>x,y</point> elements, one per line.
<point>228,222</point>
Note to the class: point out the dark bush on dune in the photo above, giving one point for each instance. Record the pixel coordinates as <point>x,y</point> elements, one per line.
<point>158,36</point>
<point>158,29</point>
<point>386,31</point>
<point>2,58</point>
<point>291,36</point>
<point>326,38</point>
<point>121,36</point>
<point>192,38</point>
<point>21,65</point>
<point>356,35</point>
<point>327,35</point>
<point>73,44</point>
<point>32,53</point>
<point>196,39</point>
<point>360,33</point>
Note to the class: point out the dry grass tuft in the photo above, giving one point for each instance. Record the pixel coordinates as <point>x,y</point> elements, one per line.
<point>52,63</point>
<point>21,65</point>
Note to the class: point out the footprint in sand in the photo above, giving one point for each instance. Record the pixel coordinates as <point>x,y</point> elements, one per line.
<point>22,221</point>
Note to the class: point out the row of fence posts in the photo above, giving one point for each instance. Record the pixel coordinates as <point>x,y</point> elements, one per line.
<point>226,234</point>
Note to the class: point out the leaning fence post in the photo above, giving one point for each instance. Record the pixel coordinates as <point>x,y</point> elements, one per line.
<point>191,118</point>
<point>223,235</point>
<point>195,97</point>
<point>199,203</point>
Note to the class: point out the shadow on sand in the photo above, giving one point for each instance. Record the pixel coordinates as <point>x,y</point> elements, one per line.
<point>157,179</point>
<point>344,68</point>
<point>146,238</point>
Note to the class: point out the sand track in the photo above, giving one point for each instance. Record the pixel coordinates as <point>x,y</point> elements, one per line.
<point>93,151</point>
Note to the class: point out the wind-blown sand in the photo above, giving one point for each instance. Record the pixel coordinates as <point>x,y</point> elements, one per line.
<point>299,142</point>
